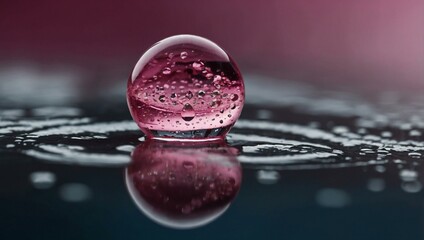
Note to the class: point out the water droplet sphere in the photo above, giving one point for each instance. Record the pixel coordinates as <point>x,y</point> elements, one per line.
<point>185,87</point>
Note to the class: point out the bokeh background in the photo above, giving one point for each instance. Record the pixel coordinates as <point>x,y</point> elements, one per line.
<point>379,43</point>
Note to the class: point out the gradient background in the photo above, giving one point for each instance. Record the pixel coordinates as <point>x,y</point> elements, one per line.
<point>379,42</point>
<point>53,52</point>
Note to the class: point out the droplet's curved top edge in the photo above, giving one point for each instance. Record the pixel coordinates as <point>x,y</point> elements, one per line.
<point>174,40</point>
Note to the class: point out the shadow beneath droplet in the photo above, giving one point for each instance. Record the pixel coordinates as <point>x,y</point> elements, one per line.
<point>183,185</point>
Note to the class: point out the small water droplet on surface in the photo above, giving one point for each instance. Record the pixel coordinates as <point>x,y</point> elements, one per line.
<point>201,93</point>
<point>189,95</point>
<point>198,66</point>
<point>234,97</point>
<point>209,75</point>
<point>166,71</point>
<point>414,133</point>
<point>215,103</point>
<point>75,192</point>
<point>414,154</point>
<point>217,78</point>
<point>188,112</point>
<point>162,98</point>
<point>188,165</point>
<point>183,55</point>
<point>42,180</point>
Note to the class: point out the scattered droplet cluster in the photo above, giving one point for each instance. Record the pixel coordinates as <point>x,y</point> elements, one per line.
<point>183,84</point>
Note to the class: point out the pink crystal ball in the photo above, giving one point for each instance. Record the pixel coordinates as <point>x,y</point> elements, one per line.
<point>185,87</point>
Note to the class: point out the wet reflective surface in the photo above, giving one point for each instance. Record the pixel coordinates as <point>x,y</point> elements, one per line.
<point>317,162</point>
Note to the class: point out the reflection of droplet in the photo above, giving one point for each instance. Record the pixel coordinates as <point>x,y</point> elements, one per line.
<point>189,95</point>
<point>332,198</point>
<point>376,184</point>
<point>125,148</point>
<point>267,176</point>
<point>412,187</point>
<point>408,175</point>
<point>75,192</point>
<point>201,93</point>
<point>215,103</point>
<point>42,180</point>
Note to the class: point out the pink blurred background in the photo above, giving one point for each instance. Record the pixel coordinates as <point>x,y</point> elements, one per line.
<point>378,42</point>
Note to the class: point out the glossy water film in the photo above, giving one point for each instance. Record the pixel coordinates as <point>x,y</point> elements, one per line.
<point>185,87</point>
